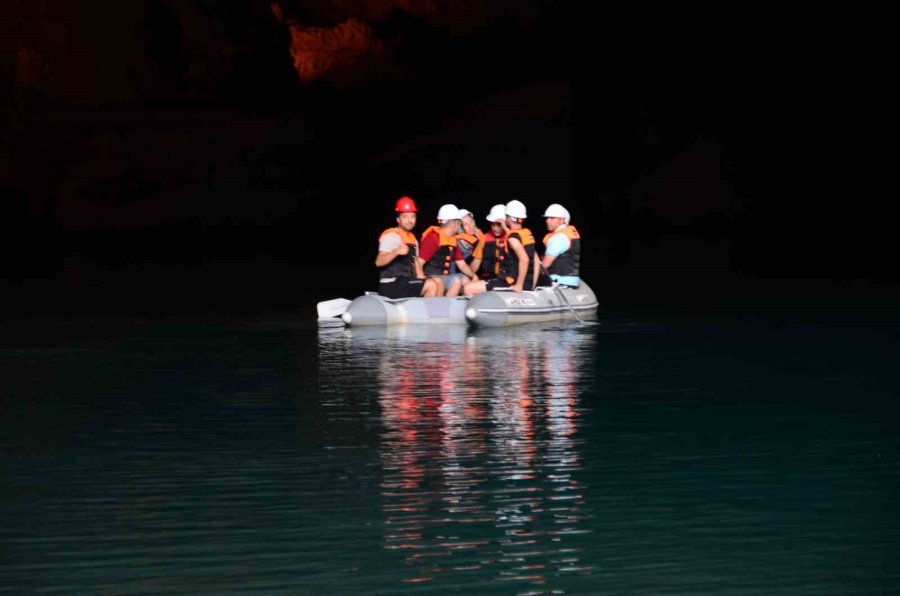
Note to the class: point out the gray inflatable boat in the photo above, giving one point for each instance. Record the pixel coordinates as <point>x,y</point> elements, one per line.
<point>502,308</point>
<point>498,308</point>
<point>374,309</point>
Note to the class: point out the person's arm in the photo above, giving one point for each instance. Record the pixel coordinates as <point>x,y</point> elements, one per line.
<point>386,254</point>
<point>461,264</point>
<point>517,247</point>
<point>478,254</point>
<point>384,258</point>
<point>537,271</point>
<point>465,269</point>
<point>558,244</point>
<point>428,246</point>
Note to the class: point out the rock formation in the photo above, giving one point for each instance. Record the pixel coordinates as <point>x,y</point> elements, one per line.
<point>335,53</point>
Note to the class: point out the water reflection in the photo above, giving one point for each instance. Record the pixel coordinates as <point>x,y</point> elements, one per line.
<point>479,446</point>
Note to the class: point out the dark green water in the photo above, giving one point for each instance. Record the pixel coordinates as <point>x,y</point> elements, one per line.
<point>647,455</point>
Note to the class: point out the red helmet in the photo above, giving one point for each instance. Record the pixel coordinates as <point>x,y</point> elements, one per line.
<point>405,205</point>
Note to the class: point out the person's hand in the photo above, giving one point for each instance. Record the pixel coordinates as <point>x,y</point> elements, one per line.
<point>518,288</point>
<point>474,277</point>
<point>403,249</point>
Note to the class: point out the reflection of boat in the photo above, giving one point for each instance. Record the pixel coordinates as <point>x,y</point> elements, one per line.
<point>384,335</point>
<point>490,309</point>
<point>479,445</point>
<point>444,334</point>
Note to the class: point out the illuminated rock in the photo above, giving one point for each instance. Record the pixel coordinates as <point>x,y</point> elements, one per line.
<point>323,53</point>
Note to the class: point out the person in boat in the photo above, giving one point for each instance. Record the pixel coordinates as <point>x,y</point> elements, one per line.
<point>494,243</point>
<point>441,255</point>
<point>400,271</point>
<point>519,268</point>
<point>470,240</point>
<point>562,247</point>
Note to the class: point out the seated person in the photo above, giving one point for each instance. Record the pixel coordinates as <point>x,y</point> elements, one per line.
<point>440,253</point>
<point>494,243</point>
<point>399,270</point>
<point>562,254</point>
<point>519,269</point>
<point>470,240</point>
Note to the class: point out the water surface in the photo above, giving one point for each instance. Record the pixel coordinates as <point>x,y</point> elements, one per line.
<point>648,454</point>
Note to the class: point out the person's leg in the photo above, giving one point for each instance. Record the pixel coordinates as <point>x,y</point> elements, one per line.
<point>401,287</point>
<point>413,288</point>
<point>455,285</point>
<point>430,288</point>
<point>498,283</point>
<point>392,289</point>
<point>474,287</point>
<point>446,283</point>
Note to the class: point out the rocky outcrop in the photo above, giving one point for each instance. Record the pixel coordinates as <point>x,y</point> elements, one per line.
<point>135,114</point>
<point>337,53</point>
<point>357,41</point>
<point>146,51</point>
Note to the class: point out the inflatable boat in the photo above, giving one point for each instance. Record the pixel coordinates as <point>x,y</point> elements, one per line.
<point>374,309</point>
<point>497,308</point>
<point>502,308</point>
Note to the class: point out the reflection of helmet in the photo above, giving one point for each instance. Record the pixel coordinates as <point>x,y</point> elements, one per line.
<point>557,210</point>
<point>448,212</point>
<point>498,213</point>
<point>464,212</point>
<point>516,209</point>
<point>405,205</point>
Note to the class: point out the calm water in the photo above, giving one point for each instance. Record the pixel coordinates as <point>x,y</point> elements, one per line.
<point>645,455</point>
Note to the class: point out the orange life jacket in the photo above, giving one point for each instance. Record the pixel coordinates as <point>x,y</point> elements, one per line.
<point>569,262</point>
<point>402,265</point>
<point>441,262</point>
<point>467,245</point>
<point>493,255</point>
<point>510,265</point>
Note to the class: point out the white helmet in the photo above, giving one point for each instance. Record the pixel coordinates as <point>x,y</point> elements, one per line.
<point>557,210</point>
<point>465,212</point>
<point>448,212</point>
<point>516,209</point>
<point>498,213</point>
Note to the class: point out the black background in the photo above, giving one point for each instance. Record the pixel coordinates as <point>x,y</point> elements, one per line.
<point>261,192</point>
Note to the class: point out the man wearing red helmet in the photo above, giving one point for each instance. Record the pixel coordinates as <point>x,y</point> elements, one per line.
<point>400,270</point>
